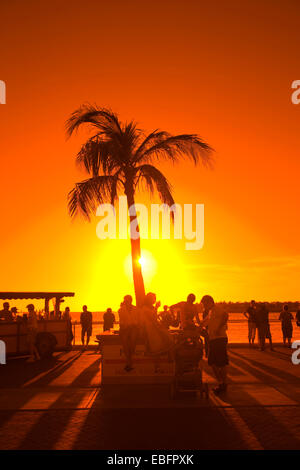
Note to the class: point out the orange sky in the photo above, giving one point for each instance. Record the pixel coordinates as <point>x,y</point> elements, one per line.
<point>220,69</point>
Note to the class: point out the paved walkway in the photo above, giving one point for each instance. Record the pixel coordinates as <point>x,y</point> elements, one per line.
<point>59,405</point>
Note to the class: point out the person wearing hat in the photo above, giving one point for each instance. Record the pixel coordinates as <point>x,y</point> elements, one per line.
<point>32,330</point>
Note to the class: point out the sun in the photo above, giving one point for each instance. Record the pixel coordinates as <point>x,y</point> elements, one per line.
<point>147,262</point>
<point>143,262</point>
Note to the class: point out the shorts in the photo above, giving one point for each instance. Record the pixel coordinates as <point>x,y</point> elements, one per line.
<point>287,331</point>
<point>217,352</point>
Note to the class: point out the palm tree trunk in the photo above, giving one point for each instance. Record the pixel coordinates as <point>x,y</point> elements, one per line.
<point>138,280</point>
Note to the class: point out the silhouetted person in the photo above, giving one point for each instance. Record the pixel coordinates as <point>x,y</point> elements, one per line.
<point>286,325</point>
<point>250,314</point>
<point>32,330</point>
<point>189,312</point>
<point>14,312</point>
<point>298,316</point>
<point>67,317</point>
<point>204,331</point>
<point>216,322</point>
<point>6,314</point>
<point>129,329</point>
<point>86,320</point>
<point>108,320</point>
<point>166,318</point>
<point>263,325</point>
<point>55,315</point>
<point>157,339</point>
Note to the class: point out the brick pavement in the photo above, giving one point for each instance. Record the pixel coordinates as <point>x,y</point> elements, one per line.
<point>59,405</point>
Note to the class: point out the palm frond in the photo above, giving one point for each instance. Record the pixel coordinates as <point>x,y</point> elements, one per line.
<point>102,118</point>
<point>178,146</point>
<point>120,154</point>
<point>152,139</point>
<point>95,155</point>
<point>153,178</point>
<point>88,194</point>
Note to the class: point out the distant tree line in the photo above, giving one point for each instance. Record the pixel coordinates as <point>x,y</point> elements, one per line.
<point>239,307</point>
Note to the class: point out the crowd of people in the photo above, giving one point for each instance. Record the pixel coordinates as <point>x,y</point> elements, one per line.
<point>151,327</point>
<point>31,318</point>
<point>205,319</point>
<point>258,320</point>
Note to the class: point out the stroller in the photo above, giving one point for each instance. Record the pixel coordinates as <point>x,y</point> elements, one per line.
<point>188,373</point>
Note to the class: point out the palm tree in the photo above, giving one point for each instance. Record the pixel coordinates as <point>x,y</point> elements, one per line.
<point>118,157</point>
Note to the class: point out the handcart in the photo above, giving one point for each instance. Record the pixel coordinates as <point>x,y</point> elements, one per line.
<point>188,370</point>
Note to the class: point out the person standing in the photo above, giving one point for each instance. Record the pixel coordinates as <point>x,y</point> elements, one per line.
<point>216,322</point>
<point>250,314</point>
<point>86,320</point>
<point>108,320</point>
<point>204,331</point>
<point>189,312</point>
<point>32,330</point>
<point>6,314</point>
<point>67,317</point>
<point>298,316</point>
<point>286,325</point>
<point>166,318</point>
<point>263,325</point>
<point>129,329</point>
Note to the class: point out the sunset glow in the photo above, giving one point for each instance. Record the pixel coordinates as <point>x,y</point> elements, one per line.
<point>202,80</point>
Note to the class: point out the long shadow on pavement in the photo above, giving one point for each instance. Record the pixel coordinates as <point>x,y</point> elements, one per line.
<point>52,423</point>
<point>20,374</point>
